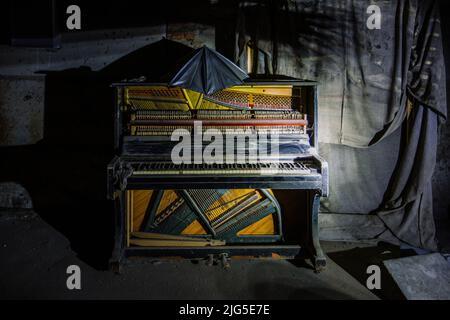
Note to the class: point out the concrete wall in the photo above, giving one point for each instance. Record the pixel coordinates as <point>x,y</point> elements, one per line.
<point>22,84</point>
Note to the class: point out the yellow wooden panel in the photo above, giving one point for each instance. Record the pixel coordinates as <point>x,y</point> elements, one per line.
<point>168,197</point>
<point>194,228</point>
<point>140,202</point>
<point>193,98</point>
<point>265,226</point>
<point>275,91</point>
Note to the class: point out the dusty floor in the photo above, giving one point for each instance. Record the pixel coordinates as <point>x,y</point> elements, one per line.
<point>34,258</point>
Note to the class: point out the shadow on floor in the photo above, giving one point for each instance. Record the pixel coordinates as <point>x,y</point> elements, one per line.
<point>355,262</point>
<point>272,289</point>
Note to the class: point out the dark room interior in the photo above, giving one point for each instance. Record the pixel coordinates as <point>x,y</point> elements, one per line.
<point>334,184</point>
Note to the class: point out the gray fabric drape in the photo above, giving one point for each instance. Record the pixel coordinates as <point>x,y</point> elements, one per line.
<point>408,208</point>
<point>359,177</point>
<point>366,76</point>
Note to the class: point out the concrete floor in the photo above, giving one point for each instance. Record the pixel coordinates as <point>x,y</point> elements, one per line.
<point>34,257</point>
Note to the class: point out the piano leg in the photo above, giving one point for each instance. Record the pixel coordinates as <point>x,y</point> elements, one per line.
<point>115,262</point>
<point>318,256</point>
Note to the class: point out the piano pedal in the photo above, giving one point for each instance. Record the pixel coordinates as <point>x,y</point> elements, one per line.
<point>116,267</point>
<point>210,260</point>
<point>225,259</point>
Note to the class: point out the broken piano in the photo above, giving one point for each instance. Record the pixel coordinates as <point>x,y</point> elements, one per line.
<point>234,173</point>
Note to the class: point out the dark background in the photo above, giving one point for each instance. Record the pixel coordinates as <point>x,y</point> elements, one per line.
<point>65,173</point>
<point>47,18</point>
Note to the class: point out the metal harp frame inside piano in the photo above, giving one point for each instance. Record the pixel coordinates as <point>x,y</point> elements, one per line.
<point>145,115</point>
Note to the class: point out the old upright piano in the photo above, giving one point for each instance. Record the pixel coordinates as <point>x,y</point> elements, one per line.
<point>223,193</point>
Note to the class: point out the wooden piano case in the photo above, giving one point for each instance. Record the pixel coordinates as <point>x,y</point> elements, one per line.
<point>217,215</point>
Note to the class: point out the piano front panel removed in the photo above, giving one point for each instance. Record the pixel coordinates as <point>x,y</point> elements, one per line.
<point>213,203</point>
<point>232,215</point>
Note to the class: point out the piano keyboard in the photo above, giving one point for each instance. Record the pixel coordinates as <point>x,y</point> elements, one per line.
<point>167,168</point>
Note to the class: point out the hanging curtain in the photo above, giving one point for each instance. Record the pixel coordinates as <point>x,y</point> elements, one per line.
<point>366,76</point>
